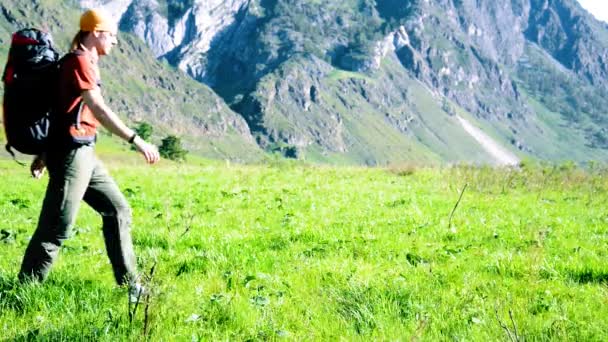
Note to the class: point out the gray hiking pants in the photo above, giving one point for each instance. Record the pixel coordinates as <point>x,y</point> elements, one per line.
<point>74,176</point>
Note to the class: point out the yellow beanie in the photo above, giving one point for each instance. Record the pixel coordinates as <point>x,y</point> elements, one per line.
<point>96,20</point>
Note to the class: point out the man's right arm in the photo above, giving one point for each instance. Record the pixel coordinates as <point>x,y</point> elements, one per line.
<point>94,100</point>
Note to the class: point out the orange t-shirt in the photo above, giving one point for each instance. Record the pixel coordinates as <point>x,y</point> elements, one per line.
<point>77,74</point>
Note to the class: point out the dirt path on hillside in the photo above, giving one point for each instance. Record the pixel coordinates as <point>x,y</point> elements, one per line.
<point>500,154</point>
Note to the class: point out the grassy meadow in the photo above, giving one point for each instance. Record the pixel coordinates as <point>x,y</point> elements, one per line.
<point>288,251</point>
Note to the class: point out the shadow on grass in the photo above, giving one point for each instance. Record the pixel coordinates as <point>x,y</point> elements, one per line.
<point>79,333</point>
<point>90,300</point>
<point>37,335</point>
<point>10,298</point>
<point>587,276</point>
<point>6,283</point>
<point>151,241</point>
<point>26,297</point>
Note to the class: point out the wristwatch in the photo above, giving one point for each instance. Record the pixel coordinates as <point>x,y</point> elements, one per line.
<point>132,138</point>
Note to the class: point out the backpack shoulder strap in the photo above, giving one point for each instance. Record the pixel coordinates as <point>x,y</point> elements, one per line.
<point>66,56</point>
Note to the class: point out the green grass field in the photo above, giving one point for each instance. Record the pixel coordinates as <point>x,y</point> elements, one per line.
<point>286,251</point>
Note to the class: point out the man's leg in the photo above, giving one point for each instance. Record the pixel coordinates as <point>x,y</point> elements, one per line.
<point>68,181</point>
<point>105,197</point>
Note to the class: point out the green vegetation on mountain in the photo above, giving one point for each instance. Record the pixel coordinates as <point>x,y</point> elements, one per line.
<point>580,104</point>
<point>171,148</point>
<point>492,62</point>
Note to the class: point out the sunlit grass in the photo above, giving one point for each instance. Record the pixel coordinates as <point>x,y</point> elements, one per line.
<point>307,252</point>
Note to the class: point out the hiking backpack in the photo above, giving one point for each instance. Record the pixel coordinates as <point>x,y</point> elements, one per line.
<point>30,90</point>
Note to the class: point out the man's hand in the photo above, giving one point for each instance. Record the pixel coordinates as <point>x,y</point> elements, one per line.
<point>149,151</point>
<point>38,166</point>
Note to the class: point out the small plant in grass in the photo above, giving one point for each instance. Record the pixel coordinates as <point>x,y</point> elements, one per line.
<point>405,169</point>
<point>171,148</point>
<point>144,130</point>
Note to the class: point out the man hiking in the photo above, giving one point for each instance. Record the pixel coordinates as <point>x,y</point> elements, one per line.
<point>75,172</point>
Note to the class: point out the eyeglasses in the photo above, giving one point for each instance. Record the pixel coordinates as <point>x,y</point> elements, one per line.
<point>111,35</point>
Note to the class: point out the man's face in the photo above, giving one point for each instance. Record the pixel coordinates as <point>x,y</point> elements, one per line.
<point>105,41</point>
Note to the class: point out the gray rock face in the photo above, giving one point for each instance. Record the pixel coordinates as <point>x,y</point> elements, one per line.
<point>143,18</point>
<point>572,37</point>
<point>207,21</point>
<point>461,52</point>
<point>185,39</point>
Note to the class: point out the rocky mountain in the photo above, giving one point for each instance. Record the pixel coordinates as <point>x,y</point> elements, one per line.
<point>390,80</point>
<point>387,81</point>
